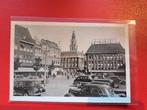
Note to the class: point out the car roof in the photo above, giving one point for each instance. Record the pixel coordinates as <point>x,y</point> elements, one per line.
<point>113,76</point>
<point>99,82</point>
<point>102,80</point>
<point>98,85</point>
<point>82,76</point>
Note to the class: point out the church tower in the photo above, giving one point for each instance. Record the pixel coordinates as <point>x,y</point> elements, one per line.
<point>73,43</point>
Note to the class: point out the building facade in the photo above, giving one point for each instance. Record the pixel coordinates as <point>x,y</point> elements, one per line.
<point>27,50</point>
<point>106,58</point>
<point>24,46</point>
<point>24,53</point>
<point>50,53</point>
<point>72,60</point>
<point>37,49</point>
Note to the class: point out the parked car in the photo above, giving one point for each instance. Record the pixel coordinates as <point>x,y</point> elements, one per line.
<point>116,81</point>
<point>27,91</point>
<point>40,87</point>
<point>30,88</point>
<point>80,80</point>
<point>19,76</point>
<point>115,78</point>
<point>122,84</point>
<point>92,90</point>
<point>103,81</point>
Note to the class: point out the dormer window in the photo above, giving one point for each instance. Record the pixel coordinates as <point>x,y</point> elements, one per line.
<point>24,37</point>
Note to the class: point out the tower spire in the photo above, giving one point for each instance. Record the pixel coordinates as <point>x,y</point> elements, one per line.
<point>73,43</point>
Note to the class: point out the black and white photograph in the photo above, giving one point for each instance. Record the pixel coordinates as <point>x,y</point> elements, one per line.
<point>69,62</point>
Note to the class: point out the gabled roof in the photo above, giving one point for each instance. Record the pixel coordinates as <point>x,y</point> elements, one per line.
<point>108,48</point>
<point>23,34</point>
<point>49,44</point>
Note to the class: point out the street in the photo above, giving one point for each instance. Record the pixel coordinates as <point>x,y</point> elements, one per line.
<point>58,86</point>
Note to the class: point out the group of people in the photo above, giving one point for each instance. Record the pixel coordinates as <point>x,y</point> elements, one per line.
<point>65,74</point>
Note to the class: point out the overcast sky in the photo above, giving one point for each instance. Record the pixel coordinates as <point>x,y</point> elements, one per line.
<point>85,35</point>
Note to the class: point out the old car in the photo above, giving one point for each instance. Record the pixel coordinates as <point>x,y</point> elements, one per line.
<point>92,90</point>
<point>41,87</point>
<point>28,88</point>
<point>122,84</point>
<point>80,80</point>
<point>116,81</point>
<point>27,91</point>
<point>19,77</point>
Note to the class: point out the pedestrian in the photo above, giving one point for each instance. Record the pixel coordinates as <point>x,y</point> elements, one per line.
<point>54,76</point>
<point>67,76</point>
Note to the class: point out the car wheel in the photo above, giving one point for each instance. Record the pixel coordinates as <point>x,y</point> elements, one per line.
<point>25,94</point>
<point>68,95</point>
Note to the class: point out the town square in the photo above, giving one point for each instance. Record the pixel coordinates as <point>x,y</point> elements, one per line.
<point>43,67</point>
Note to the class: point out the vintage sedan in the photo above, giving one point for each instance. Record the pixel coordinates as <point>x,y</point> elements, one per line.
<point>92,90</point>
<point>80,80</point>
<point>116,81</point>
<point>27,91</point>
<point>28,88</point>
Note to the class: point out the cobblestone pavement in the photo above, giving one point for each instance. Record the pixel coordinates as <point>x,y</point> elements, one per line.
<point>58,86</point>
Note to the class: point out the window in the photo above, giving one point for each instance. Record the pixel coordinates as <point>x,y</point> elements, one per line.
<point>85,90</point>
<point>25,49</point>
<point>20,61</point>
<point>21,47</point>
<point>15,55</point>
<point>16,47</point>
<point>28,50</point>
<point>20,56</point>
<point>89,57</point>
<point>24,37</point>
<point>31,50</point>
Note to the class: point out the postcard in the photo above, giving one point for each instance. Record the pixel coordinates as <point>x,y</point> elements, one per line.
<point>82,62</point>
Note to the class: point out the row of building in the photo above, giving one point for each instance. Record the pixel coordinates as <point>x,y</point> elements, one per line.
<point>27,49</point>
<point>107,57</point>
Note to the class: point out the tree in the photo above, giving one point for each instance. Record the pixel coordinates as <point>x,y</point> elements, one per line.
<point>16,63</point>
<point>37,64</point>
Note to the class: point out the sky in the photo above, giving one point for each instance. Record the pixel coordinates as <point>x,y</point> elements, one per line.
<point>86,34</point>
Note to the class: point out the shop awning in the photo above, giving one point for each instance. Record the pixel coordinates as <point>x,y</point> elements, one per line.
<point>30,80</point>
<point>28,69</point>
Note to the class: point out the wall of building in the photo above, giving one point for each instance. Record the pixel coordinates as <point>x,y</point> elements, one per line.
<point>105,61</point>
